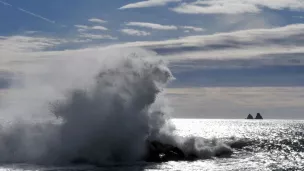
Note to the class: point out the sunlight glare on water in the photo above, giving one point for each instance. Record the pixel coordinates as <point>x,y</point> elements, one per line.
<point>270,145</point>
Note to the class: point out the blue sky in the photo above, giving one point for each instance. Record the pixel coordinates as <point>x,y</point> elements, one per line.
<point>209,43</point>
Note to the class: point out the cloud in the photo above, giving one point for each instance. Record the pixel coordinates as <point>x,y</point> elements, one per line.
<point>243,44</point>
<point>98,28</point>
<point>21,44</point>
<point>15,49</point>
<point>134,32</point>
<point>281,45</point>
<point>148,3</point>
<point>84,28</point>
<point>236,6</point>
<point>5,3</point>
<point>192,28</point>
<point>96,20</point>
<point>97,36</point>
<point>152,26</point>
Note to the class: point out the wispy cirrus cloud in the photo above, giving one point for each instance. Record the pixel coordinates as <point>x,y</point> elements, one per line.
<point>192,28</point>
<point>97,20</point>
<point>97,36</point>
<point>246,44</point>
<point>83,28</point>
<point>5,3</point>
<point>20,44</point>
<point>134,32</point>
<point>148,3</point>
<point>152,26</point>
<point>18,48</point>
<point>236,6</point>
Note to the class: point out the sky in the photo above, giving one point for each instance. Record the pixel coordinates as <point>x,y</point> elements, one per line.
<point>229,57</point>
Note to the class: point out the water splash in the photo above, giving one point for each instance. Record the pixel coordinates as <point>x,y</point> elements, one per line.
<point>99,108</point>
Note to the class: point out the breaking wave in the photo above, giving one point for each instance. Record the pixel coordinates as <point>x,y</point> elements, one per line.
<point>101,107</point>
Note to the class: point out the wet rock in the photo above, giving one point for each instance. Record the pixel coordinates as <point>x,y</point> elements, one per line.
<point>159,152</point>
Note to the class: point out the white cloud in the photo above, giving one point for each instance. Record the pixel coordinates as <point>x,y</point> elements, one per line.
<point>236,6</point>
<point>216,8</point>
<point>134,32</point>
<point>232,45</point>
<point>15,49</point>
<point>98,28</point>
<point>5,3</point>
<point>20,44</point>
<point>246,44</point>
<point>97,36</point>
<point>96,20</point>
<point>30,32</point>
<point>148,3</point>
<point>83,28</point>
<point>152,26</point>
<point>192,28</point>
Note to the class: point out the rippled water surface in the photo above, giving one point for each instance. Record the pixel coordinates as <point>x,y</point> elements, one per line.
<point>269,145</point>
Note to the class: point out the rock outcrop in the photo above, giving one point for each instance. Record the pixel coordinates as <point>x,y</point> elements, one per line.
<point>258,116</point>
<point>249,116</point>
<point>158,152</point>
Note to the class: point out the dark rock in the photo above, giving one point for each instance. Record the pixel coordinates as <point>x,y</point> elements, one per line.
<point>249,116</point>
<point>224,153</point>
<point>191,157</point>
<point>159,152</point>
<point>258,116</point>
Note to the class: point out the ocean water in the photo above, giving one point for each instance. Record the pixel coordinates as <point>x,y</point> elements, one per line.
<point>274,145</point>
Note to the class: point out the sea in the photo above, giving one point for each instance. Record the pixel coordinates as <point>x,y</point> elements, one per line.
<point>269,145</point>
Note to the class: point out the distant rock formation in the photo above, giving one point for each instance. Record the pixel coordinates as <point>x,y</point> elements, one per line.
<point>258,116</point>
<point>249,116</point>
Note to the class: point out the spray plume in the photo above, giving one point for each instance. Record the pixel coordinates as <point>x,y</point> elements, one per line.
<point>102,108</point>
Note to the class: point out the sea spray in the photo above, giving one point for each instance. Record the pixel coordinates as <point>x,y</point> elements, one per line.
<point>106,106</point>
<point>97,106</point>
<point>111,121</point>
